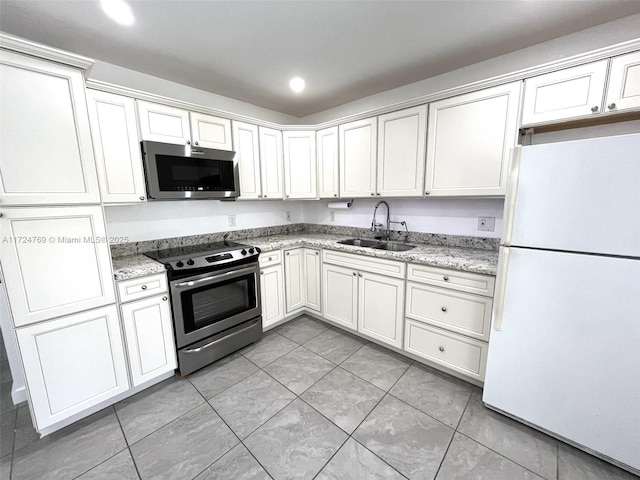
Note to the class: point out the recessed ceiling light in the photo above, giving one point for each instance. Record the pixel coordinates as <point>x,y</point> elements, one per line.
<point>118,10</point>
<point>296,84</point>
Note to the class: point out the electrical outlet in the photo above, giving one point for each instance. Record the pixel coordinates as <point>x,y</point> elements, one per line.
<point>288,216</point>
<point>486,224</point>
<point>332,216</point>
<point>232,220</point>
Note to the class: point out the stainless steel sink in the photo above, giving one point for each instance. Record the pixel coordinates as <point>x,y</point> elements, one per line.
<point>358,242</point>
<point>394,247</point>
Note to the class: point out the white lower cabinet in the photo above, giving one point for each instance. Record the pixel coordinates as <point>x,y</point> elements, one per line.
<point>361,300</point>
<point>311,267</point>
<point>271,288</point>
<point>148,329</point>
<point>302,279</point>
<point>73,363</point>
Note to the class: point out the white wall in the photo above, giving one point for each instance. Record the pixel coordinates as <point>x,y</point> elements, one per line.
<point>600,36</point>
<point>155,220</point>
<point>428,215</point>
<point>124,77</point>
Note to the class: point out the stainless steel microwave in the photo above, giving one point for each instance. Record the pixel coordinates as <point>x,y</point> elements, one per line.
<point>182,172</point>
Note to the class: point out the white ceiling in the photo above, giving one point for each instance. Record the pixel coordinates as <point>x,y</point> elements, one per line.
<point>345,50</point>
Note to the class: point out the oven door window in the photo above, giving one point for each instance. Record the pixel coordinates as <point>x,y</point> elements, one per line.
<point>210,304</point>
<point>195,174</point>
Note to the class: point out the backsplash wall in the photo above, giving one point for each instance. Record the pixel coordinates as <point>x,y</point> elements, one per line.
<point>445,216</point>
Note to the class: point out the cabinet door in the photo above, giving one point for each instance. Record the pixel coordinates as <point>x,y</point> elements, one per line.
<point>294,279</point>
<point>160,123</point>
<point>623,92</point>
<point>380,307</point>
<point>470,140</point>
<point>117,147</point>
<point>327,144</point>
<point>358,158</point>
<point>340,295</point>
<point>72,363</point>
<point>46,156</point>
<point>300,164</point>
<point>210,132</point>
<point>312,273</point>
<point>271,163</point>
<point>272,293</point>
<point>56,261</point>
<point>245,139</point>
<point>573,92</point>
<point>148,329</point>
<point>401,146</point>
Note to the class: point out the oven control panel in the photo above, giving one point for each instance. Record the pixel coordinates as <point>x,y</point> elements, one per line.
<point>214,259</point>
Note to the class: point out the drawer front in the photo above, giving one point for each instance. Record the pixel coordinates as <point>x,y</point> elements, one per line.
<point>270,258</point>
<point>460,312</point>
<point>390,268</point>
<point>459,353</point>
<point>142,287</point>
<point>442,277</point>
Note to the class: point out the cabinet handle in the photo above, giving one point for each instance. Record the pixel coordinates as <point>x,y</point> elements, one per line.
<point>335,194</point>
<point>287,196</point>
<point>611,106</point>
<point>378,193</point>
<point>165,298</point>
<point>143,287</point>
<point>317,253</point>
<point>441,349</point>
<point>259,196</point>
<point>372,194</point>
<point>444,309</point>
<point>196,143</point>
<point>445,278</point>
<point>354,274</point>
<point>261,273</point>
<point>427,192</point>
<point>359,274</point>
<point>269,259</point>
<point>287,253</point>
<point>188,142</point>
<point>595,108</point>
<point>141,198</point>
<point>265,196</point>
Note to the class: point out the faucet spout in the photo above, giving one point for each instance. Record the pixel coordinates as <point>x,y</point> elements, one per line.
<point>374,223</point>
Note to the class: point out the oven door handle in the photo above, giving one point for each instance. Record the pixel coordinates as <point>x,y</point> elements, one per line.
<point>214,278</point>
<point>211,344</point>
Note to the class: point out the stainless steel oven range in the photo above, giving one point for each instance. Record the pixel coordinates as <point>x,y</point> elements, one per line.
<point>215,300</point>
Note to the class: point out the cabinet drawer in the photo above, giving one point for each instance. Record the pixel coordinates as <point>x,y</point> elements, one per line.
<point>461,312</point>
<point>137,288</point>
<point>442,277</point>
<point>390,268</point>
<point>457,352</point>
<point>270,258</point>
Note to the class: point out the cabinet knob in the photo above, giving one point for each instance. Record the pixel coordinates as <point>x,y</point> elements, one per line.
<point>427,192</point>
<point>261,273</point>
<point>445,278</point>
<point>287,196</point>
<point>372,194</point>
<point>354,274</point>
<point>359,274</point>
<point>188,142</point>
<point>444,309</point>
<point>143,287</point>
<point>611,106</point>
<point>141,198</point>
<point>265,196</point>
<point>196,143</point>
<point>165,298</point>
<point>441,349</point>
<point>378,193</point>
<point>287,253</point>
<point>335,194</point>
<point>269,259</point>
<point>595,108</point>
<point>259,196</point>
<point>317,253</point>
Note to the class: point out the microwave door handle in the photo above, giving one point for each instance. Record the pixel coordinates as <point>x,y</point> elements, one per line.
<point>214,278</point>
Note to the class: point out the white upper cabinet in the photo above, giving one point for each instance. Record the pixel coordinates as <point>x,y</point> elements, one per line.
<point>117,147</point>
<point>271,163</point>
<point>358,158</point>
<point>246,141</point>
<point>300,164</point>
<point>401,145</point>
<point>210,132</point>
<point>160,123</point>
<point>572,92</point>
<point>469,141</point>
<point>47,155</point>
<point>58,261</point>
<point>328,178</point>
<point>623,92</point>
<point>72,363</point>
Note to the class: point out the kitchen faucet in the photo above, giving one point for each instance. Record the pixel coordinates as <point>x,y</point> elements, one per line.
<point>375,225</point>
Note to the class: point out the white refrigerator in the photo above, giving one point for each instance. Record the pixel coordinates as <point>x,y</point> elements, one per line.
<point>564,352</point>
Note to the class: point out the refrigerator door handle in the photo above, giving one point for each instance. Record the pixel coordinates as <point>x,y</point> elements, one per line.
<point>501,283</point>
<point>512,191</point>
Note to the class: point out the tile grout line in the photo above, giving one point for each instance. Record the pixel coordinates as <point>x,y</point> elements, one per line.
<point>455,430</point>
<point>135,465</point>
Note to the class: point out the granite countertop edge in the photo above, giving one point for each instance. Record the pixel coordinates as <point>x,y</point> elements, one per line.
<point>470,260</point>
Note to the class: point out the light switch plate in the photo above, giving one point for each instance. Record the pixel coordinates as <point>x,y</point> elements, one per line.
<point>232,220</point>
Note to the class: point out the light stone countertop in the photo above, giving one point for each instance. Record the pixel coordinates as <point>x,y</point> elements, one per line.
<point>456,258</point>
